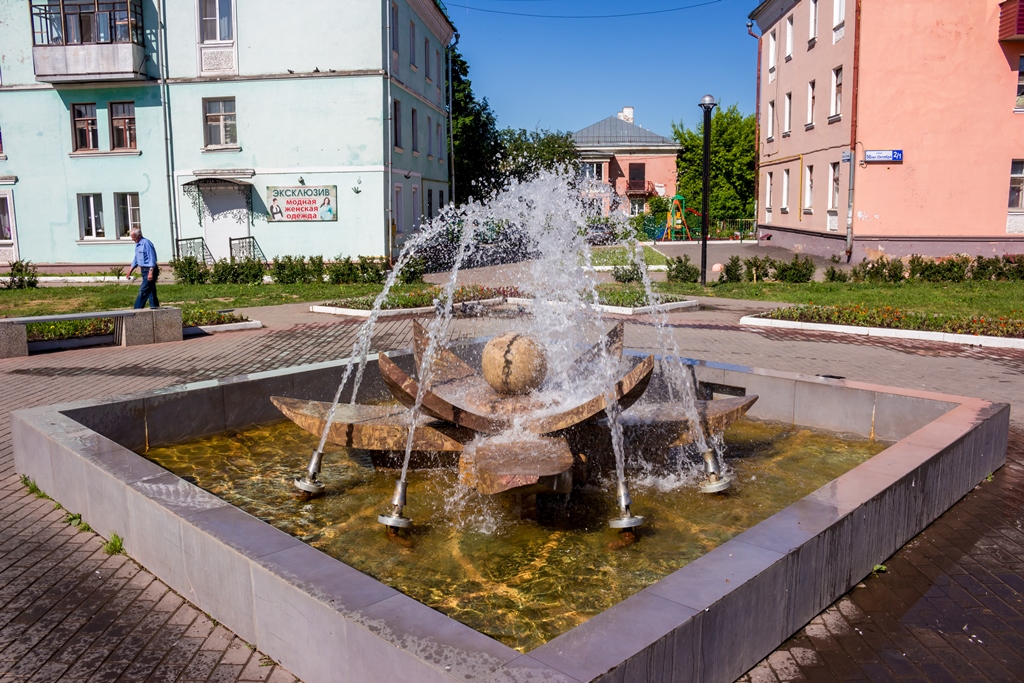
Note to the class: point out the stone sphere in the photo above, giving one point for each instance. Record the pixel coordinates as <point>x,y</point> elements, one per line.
<point>717,268</point>
<point>514,363</point>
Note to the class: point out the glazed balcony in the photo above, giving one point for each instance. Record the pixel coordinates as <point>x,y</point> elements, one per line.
<point>1011,20</point>
<point>79,41</point>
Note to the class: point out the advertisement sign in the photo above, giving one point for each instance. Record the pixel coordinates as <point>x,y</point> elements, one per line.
<point>884,155</point>
<point>303,203</point>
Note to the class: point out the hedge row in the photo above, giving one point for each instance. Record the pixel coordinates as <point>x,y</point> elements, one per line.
<point>290,270</point>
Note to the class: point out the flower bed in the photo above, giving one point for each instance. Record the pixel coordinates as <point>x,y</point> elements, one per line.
<point>425,297</point>
<point>630,296</point>
<point>890,317</point>
<point>77,329</point>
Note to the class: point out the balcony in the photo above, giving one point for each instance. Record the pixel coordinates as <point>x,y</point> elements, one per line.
<point>1011,21</point>
<point>81,41</point>
<point>639,188</point>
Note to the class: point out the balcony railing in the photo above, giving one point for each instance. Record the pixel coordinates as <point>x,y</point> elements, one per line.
<point>640,187</point>
<point>1011,20</point>
<point>87,40</point>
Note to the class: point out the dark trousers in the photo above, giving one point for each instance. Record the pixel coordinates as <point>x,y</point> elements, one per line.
<point>147,290</point>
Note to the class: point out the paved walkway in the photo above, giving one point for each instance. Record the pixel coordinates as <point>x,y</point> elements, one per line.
<point>949,607</point>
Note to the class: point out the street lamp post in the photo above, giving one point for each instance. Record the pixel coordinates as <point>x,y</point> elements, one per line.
<point>707,103</point>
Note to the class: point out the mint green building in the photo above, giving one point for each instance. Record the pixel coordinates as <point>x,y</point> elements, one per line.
<point>318,127</point>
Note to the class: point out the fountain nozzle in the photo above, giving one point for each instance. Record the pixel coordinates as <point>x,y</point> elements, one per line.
<point>625,520</point>
<point>309,483</point>
<point>715,482</point>
<point>396,519</point>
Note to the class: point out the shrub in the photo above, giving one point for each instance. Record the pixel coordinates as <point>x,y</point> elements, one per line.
<point>223,272</point>
<point>797,270</point>
<point>986,269</point>
<point>188,270</point>
<point>289,270</point>
<point>23,275</point>
<point>681,270</point>
<point>373,269</point>
<point>733,271</point>
<point>949,269</point>
<point>834,274</point>
<point>314,270</point>
<point>880,270</point>
<point>1013,267</point>
<point>758,268</point>
<point>249,271</point>
<point>626,274</point>
<point>342,271</point>
<point>895,271</point>
<point>412,271</point>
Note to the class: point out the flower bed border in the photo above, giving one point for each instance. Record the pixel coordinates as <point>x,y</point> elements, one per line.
<point>422,310</point>
<point>925,335</point>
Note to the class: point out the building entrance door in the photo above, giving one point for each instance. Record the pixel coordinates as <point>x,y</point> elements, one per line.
<point>8,230</point>
<point>227,217</point>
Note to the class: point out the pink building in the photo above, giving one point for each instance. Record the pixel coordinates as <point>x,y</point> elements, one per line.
<point>638,163</point>
<point>918,106</point>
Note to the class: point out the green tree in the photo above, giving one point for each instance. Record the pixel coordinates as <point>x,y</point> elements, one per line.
<point>475,137</point>
<point>525,153</point>
<point>733,154</point>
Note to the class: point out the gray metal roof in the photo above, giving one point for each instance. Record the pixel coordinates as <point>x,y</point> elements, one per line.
<point>614,132</point>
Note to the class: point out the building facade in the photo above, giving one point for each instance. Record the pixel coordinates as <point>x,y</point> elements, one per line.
<point>636,163</point>
<point>315,129</point>
<point>891,126</point>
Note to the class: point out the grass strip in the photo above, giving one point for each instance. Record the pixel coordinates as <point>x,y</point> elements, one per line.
<point>620,256</point>
<point>891,317</point>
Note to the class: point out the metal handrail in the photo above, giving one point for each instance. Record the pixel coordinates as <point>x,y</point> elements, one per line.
<point>246,247</point>
<point>195,247</point>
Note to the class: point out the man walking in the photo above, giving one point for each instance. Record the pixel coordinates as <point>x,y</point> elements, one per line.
<point>145,260</point>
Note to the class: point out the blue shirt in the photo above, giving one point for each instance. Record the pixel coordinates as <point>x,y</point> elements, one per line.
<point>145,254</point>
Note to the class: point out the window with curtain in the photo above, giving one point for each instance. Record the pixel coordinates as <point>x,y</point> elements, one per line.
<point>216,20</point>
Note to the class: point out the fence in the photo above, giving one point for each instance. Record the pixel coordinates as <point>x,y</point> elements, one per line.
<point>727,229</point>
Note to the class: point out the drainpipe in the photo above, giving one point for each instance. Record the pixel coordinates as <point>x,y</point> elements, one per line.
<point>161,48</point>
<point>451,131</point>
<point>757,128</point>
<point>389,107</point>
<point>853,131</point>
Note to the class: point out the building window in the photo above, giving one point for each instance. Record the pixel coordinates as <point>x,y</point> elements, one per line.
<point>396,120</point>
<point>415,131</point>
<point>637,206</point>
<point>838,12</point>
<point>772,47</point>
<point>1,143</point>
<point>768,182</point>
<point>122,125</point>
<point>430,203</point>
<point>86,135</point>
<point>128,216</point>
<point>810,103</point>
<point>833,196</point>
<point>789,112</point>
<point>814,20</point>
<point>412,44</point>
<point>416,213</point>
<point>593,170</point>
<point>215,19</point>
<point>86,21</point>
<point>837,92</point>
<point>6,233</point>
<point>90,216</point>
<point>439,133</point>
<point>1017,185</point>
<point>394,27</point>
<point>1020,84</point>
<point>426,58</point>
<point>771,120</point>
<point>437,69</point>
<point>785,190</point>
<point>220,122</point>
<point>398,214</point>
<point>430,137</point>
<point>808,188</point>
<point>440,199</point>
<point>789,37</point>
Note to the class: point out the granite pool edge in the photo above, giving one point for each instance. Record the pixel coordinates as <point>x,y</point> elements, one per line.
<point>711,620</point>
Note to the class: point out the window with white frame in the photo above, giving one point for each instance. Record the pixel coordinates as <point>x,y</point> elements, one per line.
<point>769,180</point>
<point>90,216</point>
<point>810,103</point>
<point>833,195</point>
<point>838,12</point>
<point>593,170</point>
<point>396,120</point>
<point>128,214</point>
<point>789,113</point>
<point>789,36</point>
<point>837,92</point>
<point>6,230</point>
<point>785,191</point>
<point>412,44</point>
<point>394,27</point>
<point>430,137</point>
<point>426,58</point>
<point>414,122</point>
<point>1017,185</point>
<point>814,20</point>
<point>808,188</point>
<point>1020,86</point>
<point>398,215</point>
<point>221,129</point>
<point>216,20</point>
<point>771,120</point>
<point>772,48</point>
<point>637,206</point>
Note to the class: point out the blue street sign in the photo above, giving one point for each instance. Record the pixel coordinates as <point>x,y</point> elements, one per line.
<point>884,155</point>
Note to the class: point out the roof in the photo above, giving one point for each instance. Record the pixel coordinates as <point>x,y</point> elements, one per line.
<point>614,132</point>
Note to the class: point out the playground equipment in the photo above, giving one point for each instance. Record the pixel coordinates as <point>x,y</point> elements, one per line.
<point>676,225</point>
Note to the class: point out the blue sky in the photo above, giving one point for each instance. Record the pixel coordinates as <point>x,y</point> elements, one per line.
<point>567,74</point>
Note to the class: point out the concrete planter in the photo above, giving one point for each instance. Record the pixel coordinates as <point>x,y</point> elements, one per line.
<point>709,621</point>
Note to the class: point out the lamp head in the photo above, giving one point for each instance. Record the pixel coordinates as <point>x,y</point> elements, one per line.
<point>750,25</point>
<point>707,103</point>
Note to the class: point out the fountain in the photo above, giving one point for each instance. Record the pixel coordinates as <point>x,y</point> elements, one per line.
<point>538,408</point>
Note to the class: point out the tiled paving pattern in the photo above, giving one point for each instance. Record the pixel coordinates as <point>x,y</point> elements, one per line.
<point>948,608</point>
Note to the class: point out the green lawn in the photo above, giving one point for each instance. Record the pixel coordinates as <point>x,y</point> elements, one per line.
<point>619,256</point>
<point>968,298</point>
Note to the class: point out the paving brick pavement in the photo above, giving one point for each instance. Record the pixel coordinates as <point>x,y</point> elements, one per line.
<point>948,608</point>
